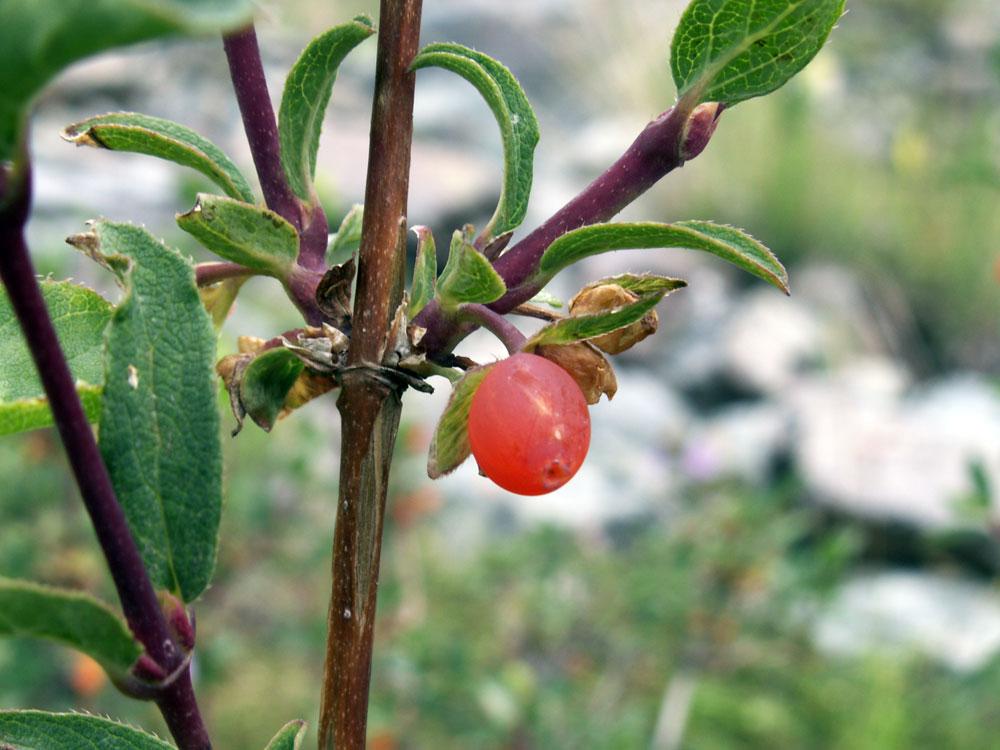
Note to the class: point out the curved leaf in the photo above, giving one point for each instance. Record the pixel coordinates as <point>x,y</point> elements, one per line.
<point>734,50</point>
<point>467,276</point>
<point>41,37</point>
<point>159,430</point>
<point>424,284</point>
<point>347,240</point>
<point>729,243</point>
<point>72,618</point>
<point>142,134</point>
<point>252,235</point>
<point>266,383</point>
<point>579,327</point>
<point>307,93</point>
<point>40,730</point>
<point>289,737</point>
<point>80,316</point>
<point>450,444</point>
<point>518,126</point>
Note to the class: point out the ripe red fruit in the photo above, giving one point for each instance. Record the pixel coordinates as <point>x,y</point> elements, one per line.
<point>529,427</point>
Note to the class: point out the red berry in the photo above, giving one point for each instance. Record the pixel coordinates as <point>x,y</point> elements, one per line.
<point>529,427</point>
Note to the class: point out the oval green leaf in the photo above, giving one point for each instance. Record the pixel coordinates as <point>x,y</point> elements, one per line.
<point>251,235</point>
<point>159,428</point>
<point>72,618</point>
<point>468,276</point>
<point>265,384</point>
<point>450,444</point>
<point>514,115</point>
<point>41,37</point>
<point>80,316</point>
<point>142,134</point>
<point>289,737</point>
<point>347,240</point>
<point>424,285</point>
<point>733,50</point>
<point>306,95</point>
<point>40,730</point>
<point>728,243</point>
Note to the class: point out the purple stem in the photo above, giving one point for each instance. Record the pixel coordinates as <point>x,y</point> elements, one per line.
<point>496,324</point>
<point>250,85</point>
<point>135,591</point>
<point>207,274</point>
<point>655,152</point>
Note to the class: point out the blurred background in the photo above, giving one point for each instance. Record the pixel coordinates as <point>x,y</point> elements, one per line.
<point>785,535</point>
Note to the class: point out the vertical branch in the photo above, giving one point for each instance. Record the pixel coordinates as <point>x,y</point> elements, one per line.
<point>135,591</point>
<point>370,411</point>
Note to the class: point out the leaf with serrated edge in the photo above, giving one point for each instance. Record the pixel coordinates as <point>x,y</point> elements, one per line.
<point>80,317</point>
<point>306,95</point>
<point>266,382</point>
<point>72,618</point>
<point>252,235</point>
<point>643,284</point>
<point>142,134</point>
<point>579,327</point>
<point>41,730</point>
<point>467,276</point>
<point>41,37</point>
<point>518,126</point>
<point>289,737</point>
<point>734,50</point>
<point>450,445</point>
<point>159,429</point>
<point>728,243</point>
<point>347,240</point>
<point>424,272</point>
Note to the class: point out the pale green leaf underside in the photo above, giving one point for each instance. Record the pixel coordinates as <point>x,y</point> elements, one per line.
<point>306,95</point>
<point>38,38</point>
<point>243,233</point>
<point>424,272</point>
<point>72,618</point>
<point>580,327</point>
<point>450,445</point>
<point>734,50</point>
<point>289,737</point>
<point>80,317</point>
<point>266,383</point>
<point>40,730</point>
<point>468,276</point>
<point>347,240</point>
<point>728,243</point>
<point>142,134</point>
<point>159,429</point>
<point>518,126</point>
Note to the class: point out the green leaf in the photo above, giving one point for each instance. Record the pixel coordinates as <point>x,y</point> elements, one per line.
<point>72,618</point>
<point>159,430</point>
<point>518,126</point>
<point>579,327</point>
<point>289,737</point>
<point>734,50</point>
<point>347,240</point>
<point>647,283</point>
<point>544,298</point>
<point>252,235</point>
<point>142,134</point>
<point>468,276</point>
<point>266,382</point>
<point>731,244</point>
<point>424,272</point>
<point>80,317</point>
<point>307,93</point>
<point>40,730</point>
<point>41,37</point>
<point>450,445</point>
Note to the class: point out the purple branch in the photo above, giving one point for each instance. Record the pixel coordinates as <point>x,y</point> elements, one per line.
<point>658,150</point>
<point>207,274</point>
<point>496,324</point>
<point>250,85</point>
<point>135,591</point>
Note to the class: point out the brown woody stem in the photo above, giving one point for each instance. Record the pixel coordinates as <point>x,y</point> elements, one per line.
<point>369,410</point>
